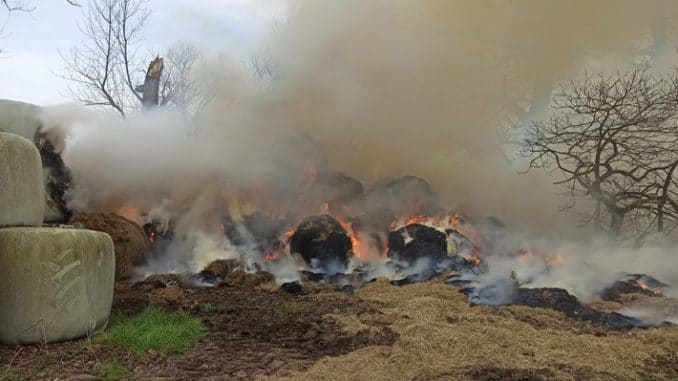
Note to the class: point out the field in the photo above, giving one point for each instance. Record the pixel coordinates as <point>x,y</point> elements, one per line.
<point>251,329</point>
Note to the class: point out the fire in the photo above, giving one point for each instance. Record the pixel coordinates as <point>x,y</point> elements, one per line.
<point>642,285</point>
<point>130,212</point>
<point>454,220</point>
<point>355,242</point>
<point>288,234</point>
<point>473,259</point>
<point>272,255</point>
<point>554,260</point>
<point>417,219</point>
<point>151,238</point>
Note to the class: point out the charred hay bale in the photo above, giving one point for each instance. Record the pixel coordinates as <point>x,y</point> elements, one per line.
<point>639,284</point>
<point>323,243</point>
<point>23,119</point>
<point>415,241</point>
<point>57,178</point>
<point>22,191</point>
<point>217,270</point>
<point>402,197</point>
<point>561,300</point>
<point>130,241</point>
<point>339,190</point>
<point>55,284</point>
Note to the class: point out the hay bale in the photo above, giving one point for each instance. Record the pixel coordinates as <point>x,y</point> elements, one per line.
<point>19,118</point>
<point>55,284</point>
<point>22,190</point>
<point>323,243</point>
<point>23,119</point>
<point>57,178</point>
<point>129,239</point>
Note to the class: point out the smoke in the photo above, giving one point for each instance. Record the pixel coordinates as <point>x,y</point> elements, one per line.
<point>401,87</point>
<point>584,268</point>
<point>376,90</point>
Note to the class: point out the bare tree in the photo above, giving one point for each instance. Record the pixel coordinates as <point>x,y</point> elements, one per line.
<point>107,70</point>
<point>27,5</point>
<point>104,69</point>
<point>614,140</point>
<point>179,88</point>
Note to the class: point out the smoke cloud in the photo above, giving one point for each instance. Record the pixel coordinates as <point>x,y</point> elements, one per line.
<point>375,90</point>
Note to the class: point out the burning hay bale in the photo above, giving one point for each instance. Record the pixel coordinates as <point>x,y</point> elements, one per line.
<point>507,292</point>
<point>131,244</point>
<point>216,271</point>
<point>338,190</point>
<point>22,191</point>
<point>416,241</point>
<point>57,180</point>
<point>560,300</point>
<point>633,284</point>
<point>405,196</point>
<point>323,243</point>
<point>23,119</point>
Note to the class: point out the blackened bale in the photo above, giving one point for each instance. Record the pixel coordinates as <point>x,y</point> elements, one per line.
<point>416,241</point>
<point>402,197</point>
<point>323,243</point>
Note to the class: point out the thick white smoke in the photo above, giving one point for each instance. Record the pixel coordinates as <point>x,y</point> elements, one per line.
<point>376,90</point>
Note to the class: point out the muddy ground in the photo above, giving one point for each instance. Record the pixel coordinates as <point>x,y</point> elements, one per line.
<point>418,332</point>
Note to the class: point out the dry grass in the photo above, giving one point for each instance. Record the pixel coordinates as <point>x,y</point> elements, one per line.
<point>442,338</point>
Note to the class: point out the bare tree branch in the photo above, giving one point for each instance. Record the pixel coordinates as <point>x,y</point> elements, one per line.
<point>613,139</point>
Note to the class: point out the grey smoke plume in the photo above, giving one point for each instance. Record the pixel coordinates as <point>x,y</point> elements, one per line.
<point>375,90</point>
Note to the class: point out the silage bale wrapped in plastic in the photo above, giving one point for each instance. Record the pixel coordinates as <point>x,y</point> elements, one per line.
<point>55,284</point>
<point>22,189</point>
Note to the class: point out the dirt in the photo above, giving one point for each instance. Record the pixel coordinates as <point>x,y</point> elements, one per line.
<point>308,331</point>
<point>252,332</point>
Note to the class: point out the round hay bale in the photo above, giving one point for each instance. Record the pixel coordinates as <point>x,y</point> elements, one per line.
<point>19,118</point>
<point>415,241</point>
<point>129,239</point>
<point>55,284</point>
<point>22,190</point>
<point>23,119</point>
<point>323,243</point>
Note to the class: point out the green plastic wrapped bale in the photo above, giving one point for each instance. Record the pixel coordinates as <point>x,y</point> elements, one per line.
<point>55,284</point>
<point>22,190</point>
<point>19,118</point>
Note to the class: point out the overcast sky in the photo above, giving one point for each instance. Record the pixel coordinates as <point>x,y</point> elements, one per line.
<point>31,42</point>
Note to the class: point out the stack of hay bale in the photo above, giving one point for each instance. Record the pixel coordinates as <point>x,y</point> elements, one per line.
<point>55,283</point>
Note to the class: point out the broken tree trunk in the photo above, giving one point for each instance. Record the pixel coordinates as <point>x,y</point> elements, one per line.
<point>150,88</point>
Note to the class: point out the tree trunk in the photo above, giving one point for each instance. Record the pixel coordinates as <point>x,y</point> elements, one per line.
<point>616,222</point>
<point>151,86</point>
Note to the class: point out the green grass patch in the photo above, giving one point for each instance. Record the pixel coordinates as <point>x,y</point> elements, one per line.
<point>154,329</point>
<point>112,370</point>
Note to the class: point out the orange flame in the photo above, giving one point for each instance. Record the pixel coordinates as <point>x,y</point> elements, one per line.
<point>554,260</point>
<point>355,243</point>
<point>272,255</point>
<point>131,213</point>
<point>473,259</point>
